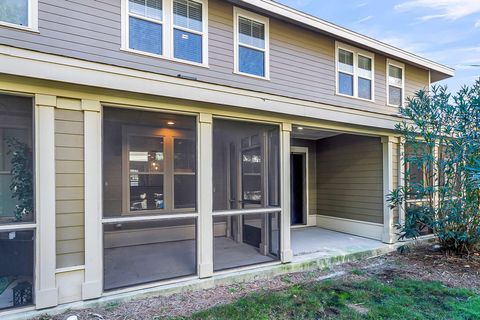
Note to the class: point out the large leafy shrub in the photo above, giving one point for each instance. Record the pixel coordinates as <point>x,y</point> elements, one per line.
<point>442,157</point>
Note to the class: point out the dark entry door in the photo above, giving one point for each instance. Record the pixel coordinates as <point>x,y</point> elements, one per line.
<point>297,170</point>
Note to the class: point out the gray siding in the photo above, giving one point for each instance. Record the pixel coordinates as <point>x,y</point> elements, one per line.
<point>302,61</point>
<point>350,178</point>
<point>69,150</point>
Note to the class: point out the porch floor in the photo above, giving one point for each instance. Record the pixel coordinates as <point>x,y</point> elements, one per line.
<point>327,243</point>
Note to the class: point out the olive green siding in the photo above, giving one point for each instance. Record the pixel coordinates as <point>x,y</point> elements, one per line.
<point>350,178</point>
<point>69,151</point>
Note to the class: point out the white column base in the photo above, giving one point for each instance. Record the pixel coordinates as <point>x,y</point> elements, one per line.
<point>46,298</point>
<point>286,256</point>
<point>91,290</point>
<point>205,270</point>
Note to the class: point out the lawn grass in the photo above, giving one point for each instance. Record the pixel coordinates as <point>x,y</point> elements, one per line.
<point>336,299</point>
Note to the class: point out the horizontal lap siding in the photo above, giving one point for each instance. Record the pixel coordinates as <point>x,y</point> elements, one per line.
<point>349,178</point>
<point>415,79</point>
<point>69,151</point>
<point>302,61</point>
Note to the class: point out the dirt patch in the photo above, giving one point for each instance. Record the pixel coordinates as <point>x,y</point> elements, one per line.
<point>425,263</point>
<point>422,263</point>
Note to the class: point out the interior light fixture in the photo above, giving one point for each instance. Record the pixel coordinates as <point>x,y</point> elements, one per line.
<point>170,123</point>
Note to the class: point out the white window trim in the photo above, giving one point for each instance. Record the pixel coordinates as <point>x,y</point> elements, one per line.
<point>237,12</point>
<point>32,18</point>
<point>356,52</point>
<point>167,27</point>
<point>400,65</point>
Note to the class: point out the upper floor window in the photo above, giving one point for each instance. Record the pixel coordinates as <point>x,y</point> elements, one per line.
<point>355,72</point>
<point>251,44</point>
<point>395,83</point>
<point>19,13</point>
<point>172,29</point>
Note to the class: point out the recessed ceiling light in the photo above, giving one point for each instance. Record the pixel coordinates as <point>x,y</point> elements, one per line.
<point>170,123</point>
<point>300,128</point>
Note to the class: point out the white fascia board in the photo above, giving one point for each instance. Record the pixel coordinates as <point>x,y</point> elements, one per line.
<point>26,63</point>
<point>337,31</point>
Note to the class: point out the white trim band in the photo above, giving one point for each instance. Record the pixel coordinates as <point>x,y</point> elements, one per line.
<point>356,227</point>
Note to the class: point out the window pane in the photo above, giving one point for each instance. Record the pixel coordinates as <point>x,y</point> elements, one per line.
<point>16,268</point>
<point>145,154</point>
<point>139,152</point>
<point>184,155</point>
<point>243,164</point>
<point>146,192</point>
<point>145,36</point>
<point>251,33</point>
<point>16,160</point>
<point>364,63</point>
<point>185,191</point>
<point>394,96</point>
<point>365,88</point>
<point>252,176</point>
<point>251,61</point>
<point>245,240</point>
<point>395,76</point>
<point>394,72</point>
<point>364,67</point>
<point>14,11</point>
<point>147,8</point>
<point>141,252</point>
<point>345,59</point>
<point>187,14</point>
<point>345,83</point>
<point>187,46</point>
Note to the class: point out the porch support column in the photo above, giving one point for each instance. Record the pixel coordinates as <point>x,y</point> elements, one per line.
<point>205,196</point>
<point>286,249</point>
<point>92,285</point>
<point>388,213</point>
<point>401,179</point>
<point>46,292</point>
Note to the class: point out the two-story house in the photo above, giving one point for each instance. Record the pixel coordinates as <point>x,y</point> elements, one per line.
<point>151,143</point>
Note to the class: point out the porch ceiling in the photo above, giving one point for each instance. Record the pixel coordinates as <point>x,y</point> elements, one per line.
<point>311,133</point>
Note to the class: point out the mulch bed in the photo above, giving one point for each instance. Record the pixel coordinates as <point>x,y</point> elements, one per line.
<point>422,263</point>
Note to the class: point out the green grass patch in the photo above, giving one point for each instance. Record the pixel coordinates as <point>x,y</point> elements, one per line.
<point>337,299</point>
